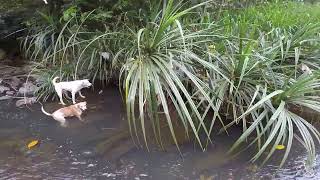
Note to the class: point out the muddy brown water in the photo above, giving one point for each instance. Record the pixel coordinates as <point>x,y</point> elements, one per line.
<point>79,151</point>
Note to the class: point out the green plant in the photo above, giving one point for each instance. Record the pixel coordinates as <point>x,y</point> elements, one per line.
<point>265,83</point>
<point>152,63</point>
<point>276,120</point>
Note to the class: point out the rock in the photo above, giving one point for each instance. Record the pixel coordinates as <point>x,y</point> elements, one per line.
<point>10,93</point>
<point>252,168</point>
<point>12,145</point>
<point>5,98</point>
<point>4,89</point>
<point>39,80</point>
<point>28,89</point>
<point>14,140</point>
<point>3,54</point>
<point>15,82</point>
<point>6,71</point>
<point>26,101</point>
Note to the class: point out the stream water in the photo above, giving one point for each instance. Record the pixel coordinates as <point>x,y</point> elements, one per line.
<point>70,153</point>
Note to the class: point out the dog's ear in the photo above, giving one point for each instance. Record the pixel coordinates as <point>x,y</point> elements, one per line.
<point>86,82</point>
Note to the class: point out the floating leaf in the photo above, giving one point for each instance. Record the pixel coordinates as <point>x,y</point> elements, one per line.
<point>32,144</point>
<point>280,147</point>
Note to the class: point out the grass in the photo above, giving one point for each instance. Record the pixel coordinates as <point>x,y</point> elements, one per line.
<point>283,15</point>
<point>245,63</point>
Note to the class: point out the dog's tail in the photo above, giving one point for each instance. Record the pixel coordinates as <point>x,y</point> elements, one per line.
<point>48,114</point>
<point>54,80</point>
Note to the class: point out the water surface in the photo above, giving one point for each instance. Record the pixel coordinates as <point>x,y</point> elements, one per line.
<point>71,153</point>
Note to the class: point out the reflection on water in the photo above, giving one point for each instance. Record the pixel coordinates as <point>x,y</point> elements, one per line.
<point>70,153</point>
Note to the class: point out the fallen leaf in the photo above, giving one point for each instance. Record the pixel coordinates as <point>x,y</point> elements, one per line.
<point>32,144</point>
<point>280,147</point>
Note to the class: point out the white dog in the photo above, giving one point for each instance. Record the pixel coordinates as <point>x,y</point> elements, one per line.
<point>73,110</point>
<point>71,86</point>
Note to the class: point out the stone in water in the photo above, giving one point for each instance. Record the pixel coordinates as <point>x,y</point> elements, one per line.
<point>2,54</point>
<point>4,89</point>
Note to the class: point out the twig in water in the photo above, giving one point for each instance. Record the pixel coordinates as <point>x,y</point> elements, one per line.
<point>108,128</point>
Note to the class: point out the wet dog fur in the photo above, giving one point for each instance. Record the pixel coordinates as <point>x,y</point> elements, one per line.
<point>70,111</point>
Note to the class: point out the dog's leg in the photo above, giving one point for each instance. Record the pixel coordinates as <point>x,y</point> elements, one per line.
<point>66,94</point>
<point>64,124</point>
<point>81,94</point>
<point>62,121</point>
<point>74,97</point>
<point>79,117</point>
<point>59,92</point>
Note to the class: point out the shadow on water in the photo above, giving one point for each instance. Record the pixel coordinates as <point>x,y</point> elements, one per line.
<point>101,148</point>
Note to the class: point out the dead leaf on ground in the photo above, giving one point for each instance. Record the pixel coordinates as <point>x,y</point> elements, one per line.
<point>33,143</point>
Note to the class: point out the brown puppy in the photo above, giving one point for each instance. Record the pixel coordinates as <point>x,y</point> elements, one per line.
<point>73,110</point>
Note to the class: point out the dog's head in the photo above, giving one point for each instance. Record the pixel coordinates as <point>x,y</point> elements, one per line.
<point>82,105</point>
<point>86,83</point>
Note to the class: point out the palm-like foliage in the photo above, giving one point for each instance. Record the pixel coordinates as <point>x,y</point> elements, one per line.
<point>158,64</point>
<point>267,112</point>
<point>276,120</point>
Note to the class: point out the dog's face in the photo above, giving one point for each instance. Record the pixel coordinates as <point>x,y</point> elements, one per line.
<point>86,83</point>
<point>82,106</point>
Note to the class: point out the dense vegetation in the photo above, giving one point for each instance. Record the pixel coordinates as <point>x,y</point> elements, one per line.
<point>256,63</point>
